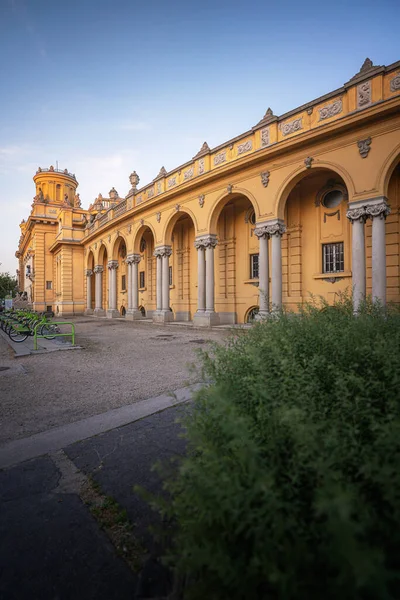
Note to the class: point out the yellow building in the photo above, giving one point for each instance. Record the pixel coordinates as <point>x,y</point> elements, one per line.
<point>307,202</point>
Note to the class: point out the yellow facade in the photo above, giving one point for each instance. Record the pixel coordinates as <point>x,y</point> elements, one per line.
<point>307,173</point>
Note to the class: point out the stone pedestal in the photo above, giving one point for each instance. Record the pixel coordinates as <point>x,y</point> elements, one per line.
<point>163,316</point>
<point>112,313</point>
<point>206,319</point>
<point>99,312</point>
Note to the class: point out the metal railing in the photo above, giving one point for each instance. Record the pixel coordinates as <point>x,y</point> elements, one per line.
<point>63,171</point>
<point>53,335</point>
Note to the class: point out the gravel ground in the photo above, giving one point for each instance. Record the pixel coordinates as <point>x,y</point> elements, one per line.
<point>120,363</point>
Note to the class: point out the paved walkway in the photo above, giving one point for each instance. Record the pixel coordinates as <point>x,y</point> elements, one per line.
<point>52,547</point>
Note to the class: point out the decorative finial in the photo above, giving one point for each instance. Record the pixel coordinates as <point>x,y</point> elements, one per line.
<point>269,113</point>
<point>113,193</point>
<point>205,149</point>
<point>162,173</point>
<point>367,65</point>
<point>134,180</point>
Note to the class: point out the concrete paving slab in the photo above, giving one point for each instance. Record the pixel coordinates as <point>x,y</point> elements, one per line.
<point>54,439</point>
<point>51,547</point>
<point>124,457</point>
<point>44,346</point>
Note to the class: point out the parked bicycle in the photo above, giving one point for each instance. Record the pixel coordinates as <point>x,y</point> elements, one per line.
<point>19,325</point>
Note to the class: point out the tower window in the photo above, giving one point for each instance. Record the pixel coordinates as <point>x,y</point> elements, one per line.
<point>254,270</point>
<point>333,257</point>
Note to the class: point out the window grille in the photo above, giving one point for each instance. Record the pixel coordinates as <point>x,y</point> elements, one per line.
<point>142,279</point>
<point>254,270</point>
<point>333,257</point>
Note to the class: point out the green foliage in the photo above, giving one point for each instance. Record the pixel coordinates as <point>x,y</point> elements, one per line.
<point>8,285</point>
<point>291,486</point>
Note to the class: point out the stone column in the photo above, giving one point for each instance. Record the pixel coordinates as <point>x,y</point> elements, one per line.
<point>357,217</point>
<point>133,311</point>
<point>378,213</point>
<point>201,277</point>
<point>88,274</point>
<point>276,229</point>
<point>208,317</point>
<point>99,311</point>
<point>112,311</point>
<point>262,232</point>
<point>163,314</point>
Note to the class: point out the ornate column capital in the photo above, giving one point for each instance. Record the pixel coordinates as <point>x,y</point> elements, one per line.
<point>381,210</point>
<point>88,272</point>
<point>112,264</point>
<point>262,232</point>
<point>98,269</point>
<point>355,214</point>
<point>206,241</point>
<point>270,228</point>
<point>371,207</point>
<point>133,259</point>
<point>163,251</point>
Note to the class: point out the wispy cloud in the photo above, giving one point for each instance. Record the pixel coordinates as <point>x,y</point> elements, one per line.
<point>134,126</point>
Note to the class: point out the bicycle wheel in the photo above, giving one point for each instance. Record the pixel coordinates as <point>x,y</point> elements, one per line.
<point>17,336</point>
<point>48,331</point>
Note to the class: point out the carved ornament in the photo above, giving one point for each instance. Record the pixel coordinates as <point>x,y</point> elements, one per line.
<point>265,178</point>
<point>201,166</point>
<point>245,147</point>
<point>364,94</point>
<point>264,137</point>
<point>331,110</point>
<point>98,269</point>
<point>172,181</point>
<point>205,149</point>
<point>150,192</point>
<point>219,158</point>
<point>158,217</point>
<point>112,264</point>
<point>355,214</point>
<point>308,162</point>
<point>292,126</point>
<point>134,180</point>
<point>274,228</point>
<point>201,200</point>
<point>395,83</point>
<point>229,188</point>
<point>189,173</point>
<point>364,147</point>
<point>162,173</point>
<point>158,187</point>
<point>133,259</point>
<point>88,272</point>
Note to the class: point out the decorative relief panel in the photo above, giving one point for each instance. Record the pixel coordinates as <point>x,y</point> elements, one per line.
<point>264,137</point>
<point>330,110</point>
<point>158,187</point>
<point>201,166</point>
<point>395,83</point>
<point>364,94</point>
<point>364,147</point>
<point>246,147</point>
<point>219,158</point>
<point>292,126</point>
<point>150,192</point>
<point>139,199</point>
<point>188,174</point>
<point>172,181</point>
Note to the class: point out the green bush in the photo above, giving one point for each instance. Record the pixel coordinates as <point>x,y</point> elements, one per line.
<point>291,485</point>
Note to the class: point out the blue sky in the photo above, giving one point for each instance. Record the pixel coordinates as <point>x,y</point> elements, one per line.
<point>106,87</point>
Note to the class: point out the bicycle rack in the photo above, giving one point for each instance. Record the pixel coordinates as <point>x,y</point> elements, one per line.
<point>53,335</point>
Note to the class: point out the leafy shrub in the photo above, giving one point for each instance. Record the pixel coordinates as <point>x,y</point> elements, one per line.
<point>291,486</point>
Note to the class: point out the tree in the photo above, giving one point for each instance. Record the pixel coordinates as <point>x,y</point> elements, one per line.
<point>8,285</point>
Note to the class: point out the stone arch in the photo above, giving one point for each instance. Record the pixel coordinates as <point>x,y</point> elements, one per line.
<point>172,220</point>
<point>300,173</point>
<point>90,262</point>
<point>387,170</point>
<point>116,245</point>
<point>137,235</point>
<point>222,200</point>
<point>102,252</point>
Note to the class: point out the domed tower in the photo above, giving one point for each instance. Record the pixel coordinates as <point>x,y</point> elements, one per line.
<point>54,186</point>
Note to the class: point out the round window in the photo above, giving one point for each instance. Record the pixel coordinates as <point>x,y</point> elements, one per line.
<point>252,218</point>
<point>332,199</point>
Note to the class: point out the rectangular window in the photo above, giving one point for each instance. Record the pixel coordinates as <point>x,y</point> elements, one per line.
<point>142,279</point>
<point>49,285</point>
<point>49,309</point>
<point>333,257</point>
<point>254,266</point>
<point>170,275</point>
<point>123,283</point>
